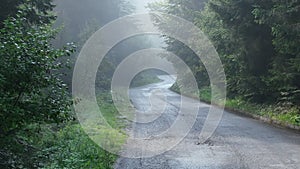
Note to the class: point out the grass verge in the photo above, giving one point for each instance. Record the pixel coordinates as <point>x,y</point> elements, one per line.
<point>70,147</point>
<point>283,114</point>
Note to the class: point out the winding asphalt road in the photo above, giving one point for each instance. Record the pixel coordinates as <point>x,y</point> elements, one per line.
<point>239,142</point>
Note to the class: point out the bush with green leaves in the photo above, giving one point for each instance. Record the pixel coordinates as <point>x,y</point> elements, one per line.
<point>36,11</point>
<point>71,148</point>
<point>31,91</point>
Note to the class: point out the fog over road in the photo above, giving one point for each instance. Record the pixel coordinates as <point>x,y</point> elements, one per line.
<point>239,142</point>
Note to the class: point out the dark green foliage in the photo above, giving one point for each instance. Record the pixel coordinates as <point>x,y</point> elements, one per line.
<point>266,48</point>
<point>187,10</point>
<point>34,102</point>
<point>254,49</point>
<point>71,148</point>
<point>283,19</point>
<point>36,11</point>
<point>30,87</point>
<point>258,43</point>
<point>30,84</point>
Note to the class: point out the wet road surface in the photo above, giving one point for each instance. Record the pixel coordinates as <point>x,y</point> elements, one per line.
<point>239,142</point>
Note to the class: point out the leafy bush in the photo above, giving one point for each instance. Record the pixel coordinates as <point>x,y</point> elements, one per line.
<point>71,148</point>
<point>205,94</point>
<point>31,91</point>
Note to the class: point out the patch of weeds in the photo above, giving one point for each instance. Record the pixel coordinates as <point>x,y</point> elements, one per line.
<point>283,113</point>
<point>72,147</point>
<point>205,94</point>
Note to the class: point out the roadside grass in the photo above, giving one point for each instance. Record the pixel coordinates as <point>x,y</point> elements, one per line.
<point>205,94</point>
<point>70,147</point>
<point>283,112</point>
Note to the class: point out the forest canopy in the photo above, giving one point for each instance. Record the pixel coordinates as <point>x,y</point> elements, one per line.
<point>258,42</point>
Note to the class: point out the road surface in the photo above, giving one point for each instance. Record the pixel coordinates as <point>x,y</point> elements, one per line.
<point>239,142</point>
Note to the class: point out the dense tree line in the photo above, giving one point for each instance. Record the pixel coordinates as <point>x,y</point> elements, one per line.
<point>38,127</point>
<point>34,97</point>
<point>258,42</point>
<point>32,92</point>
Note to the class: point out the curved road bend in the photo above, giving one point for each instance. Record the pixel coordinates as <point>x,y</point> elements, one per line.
<point>238,143</point>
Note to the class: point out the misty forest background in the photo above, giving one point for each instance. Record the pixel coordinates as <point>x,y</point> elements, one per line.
<point>258,42</point>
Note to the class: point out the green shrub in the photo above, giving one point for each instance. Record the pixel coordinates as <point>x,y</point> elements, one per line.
<point>71,148</point>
